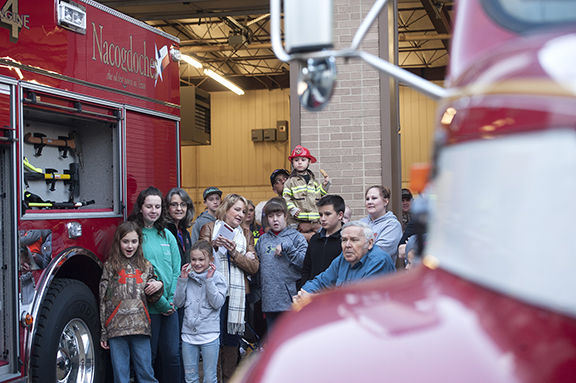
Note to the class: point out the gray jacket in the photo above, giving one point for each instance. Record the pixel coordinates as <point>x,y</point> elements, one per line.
<point>202,299</point>
<point>279,274</point>
<point>202,220</point>
<point>387,232</point>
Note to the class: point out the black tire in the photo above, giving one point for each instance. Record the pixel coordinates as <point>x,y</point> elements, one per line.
<point>58,352</point>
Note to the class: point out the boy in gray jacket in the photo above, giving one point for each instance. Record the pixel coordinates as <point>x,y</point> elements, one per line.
<point>201,290</point>
<point>281,252</point>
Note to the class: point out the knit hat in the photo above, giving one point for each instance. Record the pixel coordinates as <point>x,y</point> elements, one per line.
<point>300,151</point>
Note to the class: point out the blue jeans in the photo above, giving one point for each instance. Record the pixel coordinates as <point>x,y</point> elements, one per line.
<point>137,347</point>
<point>271,318</point>
<point>165,342</point>
<point>190,355</point>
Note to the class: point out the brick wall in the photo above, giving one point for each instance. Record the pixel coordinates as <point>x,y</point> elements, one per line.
<point>346,136</point>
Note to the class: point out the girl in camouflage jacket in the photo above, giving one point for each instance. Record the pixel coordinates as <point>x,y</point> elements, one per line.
<point>128,283</point>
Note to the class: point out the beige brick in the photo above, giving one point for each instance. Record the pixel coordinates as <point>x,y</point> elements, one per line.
<point>346,135</point>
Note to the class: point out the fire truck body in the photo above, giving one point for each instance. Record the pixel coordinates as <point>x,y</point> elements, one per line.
<point>89,115</point>
<point>494,298</point>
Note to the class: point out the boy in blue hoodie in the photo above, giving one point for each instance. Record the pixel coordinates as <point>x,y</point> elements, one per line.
<point>281,252</point>
<point>212,199</point>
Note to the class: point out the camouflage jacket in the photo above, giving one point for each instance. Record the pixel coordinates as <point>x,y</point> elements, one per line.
<point>123,303</point>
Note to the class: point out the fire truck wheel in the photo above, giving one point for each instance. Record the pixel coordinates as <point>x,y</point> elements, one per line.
<point>66,344</point>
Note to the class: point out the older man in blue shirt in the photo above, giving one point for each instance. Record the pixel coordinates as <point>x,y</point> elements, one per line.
<point>359,259</point>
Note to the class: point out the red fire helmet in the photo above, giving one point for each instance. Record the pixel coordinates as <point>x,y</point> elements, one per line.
<point>300,151</point>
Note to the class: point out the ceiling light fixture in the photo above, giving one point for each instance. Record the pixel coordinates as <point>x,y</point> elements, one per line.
<point>210,73</point>
<point>195,63</point>
<point>233,87</point>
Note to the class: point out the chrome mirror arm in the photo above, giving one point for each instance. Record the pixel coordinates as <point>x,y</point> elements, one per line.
<point>426,87</point>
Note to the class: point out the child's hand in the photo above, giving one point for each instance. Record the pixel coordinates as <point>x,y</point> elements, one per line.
<point>278,250</point>
<point>185,270</point>
<point>152,287</point>
<point>326,178</point>
<point>211,270</point>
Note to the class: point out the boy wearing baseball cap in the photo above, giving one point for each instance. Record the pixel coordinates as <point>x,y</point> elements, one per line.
<point>212,198</point>
<point>302,191</point>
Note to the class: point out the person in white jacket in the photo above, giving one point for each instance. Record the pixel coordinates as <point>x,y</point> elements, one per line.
<point>201,290</point>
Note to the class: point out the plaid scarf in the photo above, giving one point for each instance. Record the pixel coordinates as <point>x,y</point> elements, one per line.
<point>235,278</point>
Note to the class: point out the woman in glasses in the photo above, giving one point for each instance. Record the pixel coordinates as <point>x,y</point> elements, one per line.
<point>179,219</point>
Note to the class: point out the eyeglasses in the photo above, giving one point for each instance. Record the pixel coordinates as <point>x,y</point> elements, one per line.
<point>176,204</point>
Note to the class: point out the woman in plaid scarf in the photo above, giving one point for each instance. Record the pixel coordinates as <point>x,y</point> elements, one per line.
<point>234,257</point>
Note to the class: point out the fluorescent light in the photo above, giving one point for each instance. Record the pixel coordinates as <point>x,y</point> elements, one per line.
<point>195,63</point>
<point>210,73</point>
<point>233,87</point>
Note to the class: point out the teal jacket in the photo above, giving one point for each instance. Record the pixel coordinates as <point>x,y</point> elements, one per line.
<point>163,254</point>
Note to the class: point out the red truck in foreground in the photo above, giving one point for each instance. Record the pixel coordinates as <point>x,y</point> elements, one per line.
<point>89,115</point>
<point>494,299</point>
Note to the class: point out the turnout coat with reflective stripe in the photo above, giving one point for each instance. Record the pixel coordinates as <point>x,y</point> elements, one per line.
<point>302,195</point>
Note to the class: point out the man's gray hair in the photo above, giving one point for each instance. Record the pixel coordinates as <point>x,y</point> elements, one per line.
<point>368,233</point>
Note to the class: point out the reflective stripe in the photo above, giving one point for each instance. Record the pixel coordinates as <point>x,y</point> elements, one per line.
<point>309,216</point>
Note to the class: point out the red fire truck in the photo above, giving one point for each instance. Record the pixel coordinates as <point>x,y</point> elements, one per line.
<point>494,299</point>
<point>89,115</point>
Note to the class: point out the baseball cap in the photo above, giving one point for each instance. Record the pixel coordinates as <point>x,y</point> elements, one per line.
<point>276,173</point>
<point>406,194</point>
<point>211,190</point>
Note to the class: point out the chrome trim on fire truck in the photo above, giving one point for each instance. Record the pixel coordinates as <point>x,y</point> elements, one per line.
<point>71,216</point>
<point>44,72</point>
<point>124,196</point>
<point>69,94</point>
<point>7,88</point>
<point>178,159</point>
<point>8,80</point>
<point>44,283</point>
<point>14,197</point>
<point>152,113</point>
<point>130,20</point>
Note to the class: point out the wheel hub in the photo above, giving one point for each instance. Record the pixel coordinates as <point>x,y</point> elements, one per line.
<point>75,354</point>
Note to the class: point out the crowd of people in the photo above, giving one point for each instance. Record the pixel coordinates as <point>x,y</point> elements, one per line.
<point>175,291</point>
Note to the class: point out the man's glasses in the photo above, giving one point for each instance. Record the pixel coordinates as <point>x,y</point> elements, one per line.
<point>176,204</point>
